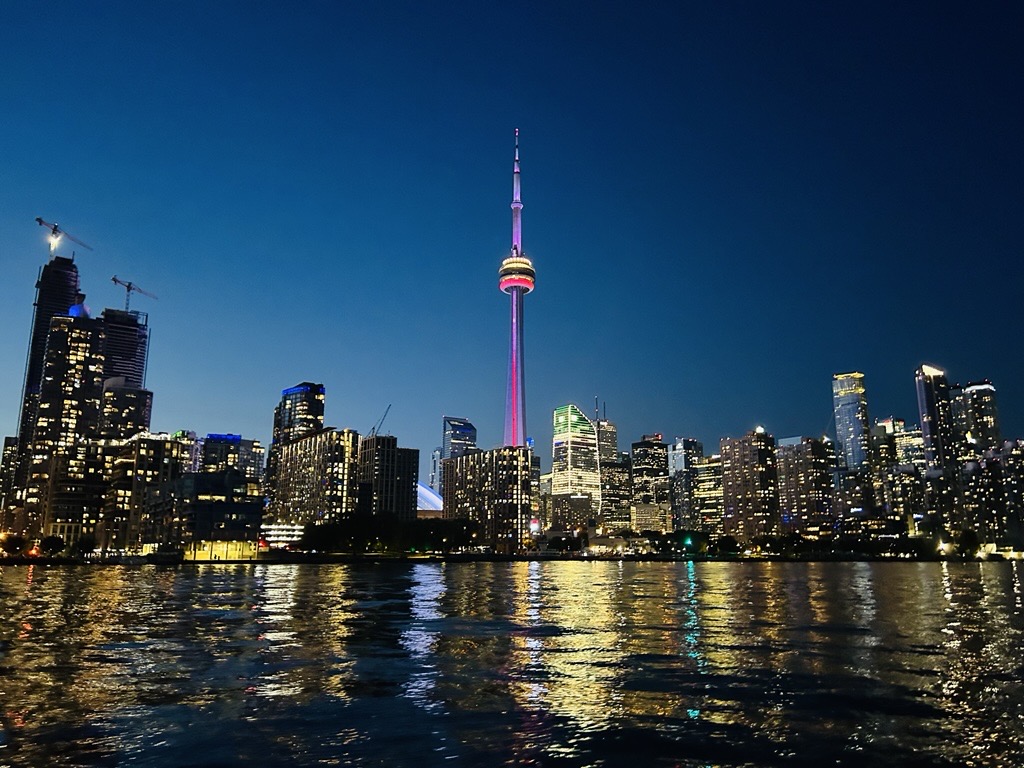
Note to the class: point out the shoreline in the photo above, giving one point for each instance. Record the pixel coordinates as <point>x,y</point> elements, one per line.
<point>298,558</point>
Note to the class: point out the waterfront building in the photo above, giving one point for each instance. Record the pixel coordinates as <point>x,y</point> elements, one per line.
<point>67,404</point>
<point>980,505</point>
<point>575,469</point>
<point>57,291</point>
<point>804,466</point>
<point>649,470</point>
<point>902,496</point>
<point>651,517</point>
<point>749,486</point>
<point>850,405</point>
<point>614,469</point>
<point>299,413</point>
<point>493,489</point>
<point>388,478</point>
<point>317,479</point>
<point>8,465</point>
<point>144,462</point>
<point>516,277</point>
<point>934,406</point>
<point>204,515</point>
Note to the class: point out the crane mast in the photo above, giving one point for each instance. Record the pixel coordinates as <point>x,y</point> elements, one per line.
<point>129,288</point>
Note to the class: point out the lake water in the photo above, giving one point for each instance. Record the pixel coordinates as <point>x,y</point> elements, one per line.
<point>526,663</point>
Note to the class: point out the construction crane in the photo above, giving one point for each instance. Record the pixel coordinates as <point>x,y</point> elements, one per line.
<point>376,427</point>
<point>56,233</point>
<point>128,288</point>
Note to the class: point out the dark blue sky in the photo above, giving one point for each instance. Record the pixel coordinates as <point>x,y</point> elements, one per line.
<point>725,203</point>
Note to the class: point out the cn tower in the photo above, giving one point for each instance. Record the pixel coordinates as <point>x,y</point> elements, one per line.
<point>516,277</point>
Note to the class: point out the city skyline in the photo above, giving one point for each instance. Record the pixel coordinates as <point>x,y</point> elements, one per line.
<point>699,256</point>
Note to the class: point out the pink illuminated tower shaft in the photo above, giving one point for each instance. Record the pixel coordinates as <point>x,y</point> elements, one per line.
<point>516,278</point>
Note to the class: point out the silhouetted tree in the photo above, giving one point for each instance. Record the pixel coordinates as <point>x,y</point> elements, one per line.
<point>15,544</point>
<point>51,545</point>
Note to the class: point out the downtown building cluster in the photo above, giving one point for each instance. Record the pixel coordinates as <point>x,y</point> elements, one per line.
<point>84,469</point>
<point>953,480</point>
<point>86,473</point>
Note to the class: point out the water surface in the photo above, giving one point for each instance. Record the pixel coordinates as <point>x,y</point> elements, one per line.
<point>527,663</point>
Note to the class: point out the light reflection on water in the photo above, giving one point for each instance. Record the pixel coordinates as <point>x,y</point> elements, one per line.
<point>528,663</point>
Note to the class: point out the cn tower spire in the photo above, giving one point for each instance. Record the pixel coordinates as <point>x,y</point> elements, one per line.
<point>516,278</point>
<point>517,205</point>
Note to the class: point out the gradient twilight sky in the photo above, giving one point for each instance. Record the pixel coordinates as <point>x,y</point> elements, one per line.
<point>726,203</point>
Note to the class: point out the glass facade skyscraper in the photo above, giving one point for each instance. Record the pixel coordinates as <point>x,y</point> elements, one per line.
<point>853,431</point>
<point>575,467</point>
<point>936,416</point>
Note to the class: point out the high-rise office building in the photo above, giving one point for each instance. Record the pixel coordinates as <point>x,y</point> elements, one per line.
<point>574,457</point>
<point>616,492</point>
<point>683,457</point>
<point>607,440</point>
<point>649,469</point>
<point>388,476</point>
<point>933,404</point>
<point>750,486</point>
<point>850,405</point>
<point>708,501</point>
<point>516,277</point>
<point>457,437</point>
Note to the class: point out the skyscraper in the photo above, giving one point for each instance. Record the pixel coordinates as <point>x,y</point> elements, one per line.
<point>516,278</point>
<point>317,479</point>
<point>126,345</point>
<point>56,293</point>
<point>607,440</point>
<point>650,470</point>
<point>387,478</point>
<point>750,486</point>
<point>976,417</point>
<point>299,413</point>
<point>853,432</point>
<point>574,456</point>
<point>936,416</point>
<point>458,437</point>
<point>492,488</point>
<point>804,469</point>
<point>68,403</point>
<point>683,458</point>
